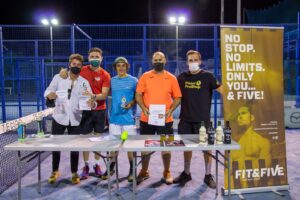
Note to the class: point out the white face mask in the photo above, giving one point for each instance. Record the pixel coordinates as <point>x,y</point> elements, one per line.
<point>193,67</point>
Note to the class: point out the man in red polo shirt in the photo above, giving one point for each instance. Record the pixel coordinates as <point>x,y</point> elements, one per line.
<point>94,121</point>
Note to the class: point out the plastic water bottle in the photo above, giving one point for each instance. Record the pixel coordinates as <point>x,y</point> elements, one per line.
<point>219,133</point>
<point>202,134</point>
<point>21,133</point>
<point>40,132</point>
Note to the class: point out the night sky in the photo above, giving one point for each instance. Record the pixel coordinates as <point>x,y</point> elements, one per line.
<point>124,11</point>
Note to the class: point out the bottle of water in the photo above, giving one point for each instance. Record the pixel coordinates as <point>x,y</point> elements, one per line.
<point>21,132</point>
<point>202,134</point>
<point>219,133</point>
<point>40,131</point>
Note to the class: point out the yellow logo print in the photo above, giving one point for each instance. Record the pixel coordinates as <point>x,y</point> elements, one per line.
<point>193,85</point>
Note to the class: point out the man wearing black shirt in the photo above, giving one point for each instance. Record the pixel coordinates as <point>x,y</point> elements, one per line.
<point>196,87</point>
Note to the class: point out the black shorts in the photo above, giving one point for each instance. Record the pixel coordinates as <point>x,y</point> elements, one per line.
<point>58,129</point>
<point>93,120</point>
<point>146,129</point>
<point>185,127</point>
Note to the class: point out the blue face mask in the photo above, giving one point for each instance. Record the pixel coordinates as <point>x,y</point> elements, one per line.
<point>95,62</point>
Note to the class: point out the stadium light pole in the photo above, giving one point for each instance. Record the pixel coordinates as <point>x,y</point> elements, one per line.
<point>238,12</point>
<point>50,23</point>
<point>180,20</point>
<point>222,12</point>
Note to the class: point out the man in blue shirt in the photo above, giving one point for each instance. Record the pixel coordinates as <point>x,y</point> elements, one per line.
<point>122,108</point>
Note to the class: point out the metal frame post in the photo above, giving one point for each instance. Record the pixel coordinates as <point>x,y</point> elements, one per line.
<point>2,78</point>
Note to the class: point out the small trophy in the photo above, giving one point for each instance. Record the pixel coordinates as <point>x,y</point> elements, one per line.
<point>123,102</point>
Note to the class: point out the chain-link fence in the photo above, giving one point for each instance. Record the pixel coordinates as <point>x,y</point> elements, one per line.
<point>32,55</point>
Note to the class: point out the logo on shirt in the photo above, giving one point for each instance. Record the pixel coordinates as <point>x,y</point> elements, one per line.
<point>97,78</point>
<point>193,84</point>
<point>84,86</point>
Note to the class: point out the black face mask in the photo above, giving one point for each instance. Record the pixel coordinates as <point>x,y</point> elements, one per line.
<point>158,66</point>
<point>75,70</point>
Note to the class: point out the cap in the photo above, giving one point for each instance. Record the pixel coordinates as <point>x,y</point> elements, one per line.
<point>121,60</point>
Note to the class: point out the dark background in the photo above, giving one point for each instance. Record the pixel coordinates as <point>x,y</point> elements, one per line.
<point>124,11</point>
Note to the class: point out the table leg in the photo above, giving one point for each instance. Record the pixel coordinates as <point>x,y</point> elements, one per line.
<point>117,174</point>
<point>19,175</point>
<point>39,172</point>
<point>229,182</point>
<point>108,174</point>
<point>134,176</point>
<point>217,153</point>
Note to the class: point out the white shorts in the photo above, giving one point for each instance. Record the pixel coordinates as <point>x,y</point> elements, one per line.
<point>115,129</point>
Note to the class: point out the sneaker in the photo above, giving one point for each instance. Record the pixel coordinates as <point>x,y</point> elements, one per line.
<point>75,178</point>
<point>97,170</point>
<point>85,172</point>
<point>105,175</point>
<point>167,177</point>
<point>142,176</point>
<point>130,177</point>
<point>183,178</point>
<point>209,181</point>
<point>53,177</point>
<point>112,171</point>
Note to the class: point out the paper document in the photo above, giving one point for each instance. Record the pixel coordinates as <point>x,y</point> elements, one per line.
<point>83,103</point>
<point>157,114</point>
<point>102,138</point>
<point>62,96</point>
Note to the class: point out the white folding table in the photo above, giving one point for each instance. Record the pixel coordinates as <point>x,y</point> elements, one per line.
<point>137,144</point>
<point>63,143</point>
